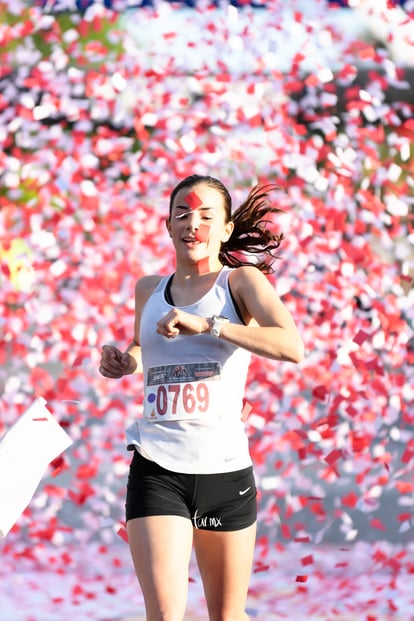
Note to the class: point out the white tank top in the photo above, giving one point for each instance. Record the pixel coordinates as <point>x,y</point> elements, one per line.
<point>193,390</point>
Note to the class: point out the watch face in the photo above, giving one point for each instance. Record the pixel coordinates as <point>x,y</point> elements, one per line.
<point>218,321</point>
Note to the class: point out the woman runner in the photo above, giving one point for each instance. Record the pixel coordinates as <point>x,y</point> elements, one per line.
<point>191,481</point>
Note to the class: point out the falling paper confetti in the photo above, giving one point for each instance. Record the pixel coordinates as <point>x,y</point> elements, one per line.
<point>97,124</point>
<point>26,450</point>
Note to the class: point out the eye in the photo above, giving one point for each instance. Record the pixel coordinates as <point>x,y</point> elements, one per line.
<point>181,216</point>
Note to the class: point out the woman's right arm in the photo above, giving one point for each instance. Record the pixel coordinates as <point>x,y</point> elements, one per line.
<point>115,363</point>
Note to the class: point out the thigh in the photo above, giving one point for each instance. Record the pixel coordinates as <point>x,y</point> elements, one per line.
<point>153,490</point>
<point>225,501</point>
<point>160,536</point>
<point>225,561</point>
<point>161,547</point>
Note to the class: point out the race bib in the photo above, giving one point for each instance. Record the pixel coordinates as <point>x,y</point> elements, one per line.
<point>181,391</point>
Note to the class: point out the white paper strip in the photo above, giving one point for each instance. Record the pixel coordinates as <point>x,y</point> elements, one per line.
<point>26,450</point>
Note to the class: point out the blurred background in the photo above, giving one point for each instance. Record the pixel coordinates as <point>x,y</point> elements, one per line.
<point>104,106</point>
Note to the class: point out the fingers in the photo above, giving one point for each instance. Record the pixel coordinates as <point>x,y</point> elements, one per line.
<point>168,329</point>
<point>168,325</point>
<point>180,322</point>
<point>113,362</point>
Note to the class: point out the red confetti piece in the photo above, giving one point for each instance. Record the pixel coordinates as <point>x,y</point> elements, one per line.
<point>377,523</point>
<point>407,455</point>
<point>58,465</point>
<point>350,500</point>
<point>302,453</point>
<point>404,487</point>
<point>333,456</point>
<point>260,567</point>
<point>312,80</point>
<point>79,360</point>
<point>360,337</point>
<point>301,578</point>
<point>320,392</point>
<point>359,442</point>
<point>247,408</point>
<point>367,53</point>
<point>122,532</point>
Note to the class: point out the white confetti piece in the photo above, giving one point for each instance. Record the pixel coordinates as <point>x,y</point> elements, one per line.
<point>26,450</point>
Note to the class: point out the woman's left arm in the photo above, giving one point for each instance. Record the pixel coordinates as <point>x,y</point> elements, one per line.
<point>271,330</point>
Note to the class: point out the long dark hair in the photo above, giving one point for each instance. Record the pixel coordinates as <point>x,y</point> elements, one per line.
<point>251,235</point>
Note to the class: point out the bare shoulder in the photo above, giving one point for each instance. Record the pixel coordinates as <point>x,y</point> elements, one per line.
<point>144,287</point>
<point>247,276</point>
<point>147,283</point>
<point>252,292</point>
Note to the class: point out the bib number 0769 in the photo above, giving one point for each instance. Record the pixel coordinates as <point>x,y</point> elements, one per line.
<point>189,396</point>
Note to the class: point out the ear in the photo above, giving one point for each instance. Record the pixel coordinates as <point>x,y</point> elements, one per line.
<point>228,230</point>
<point>168,226</point>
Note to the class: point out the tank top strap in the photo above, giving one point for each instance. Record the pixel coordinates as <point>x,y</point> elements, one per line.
<point>223,277</point>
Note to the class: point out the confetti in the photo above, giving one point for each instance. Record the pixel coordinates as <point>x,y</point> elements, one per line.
<point>122,532</point>
<point>360,337</point>
<point>333,456</point>
<point>94,133</point>
<point>25,452</point>
<point>247,408</point>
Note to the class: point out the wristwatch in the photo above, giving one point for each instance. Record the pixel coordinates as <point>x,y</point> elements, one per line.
<point>218,322</point>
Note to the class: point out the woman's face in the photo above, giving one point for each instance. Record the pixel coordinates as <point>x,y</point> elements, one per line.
<point>197,224</point>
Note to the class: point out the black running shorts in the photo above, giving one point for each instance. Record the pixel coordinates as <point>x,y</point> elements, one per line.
<point>222,502</point>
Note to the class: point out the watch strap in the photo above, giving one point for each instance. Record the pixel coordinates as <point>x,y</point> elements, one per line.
<point>218,322</point>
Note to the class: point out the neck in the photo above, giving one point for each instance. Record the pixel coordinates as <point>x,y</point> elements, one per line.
<point>186,273</point>
<point>188,286</point>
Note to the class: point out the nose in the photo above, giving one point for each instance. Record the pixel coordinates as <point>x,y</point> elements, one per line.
<point>193,221</point>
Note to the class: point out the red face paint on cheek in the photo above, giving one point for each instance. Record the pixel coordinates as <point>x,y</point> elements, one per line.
<point>202,232</point>
<point>193,200</point>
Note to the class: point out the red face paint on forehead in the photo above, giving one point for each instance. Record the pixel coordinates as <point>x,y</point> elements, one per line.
<point>193,200</point>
